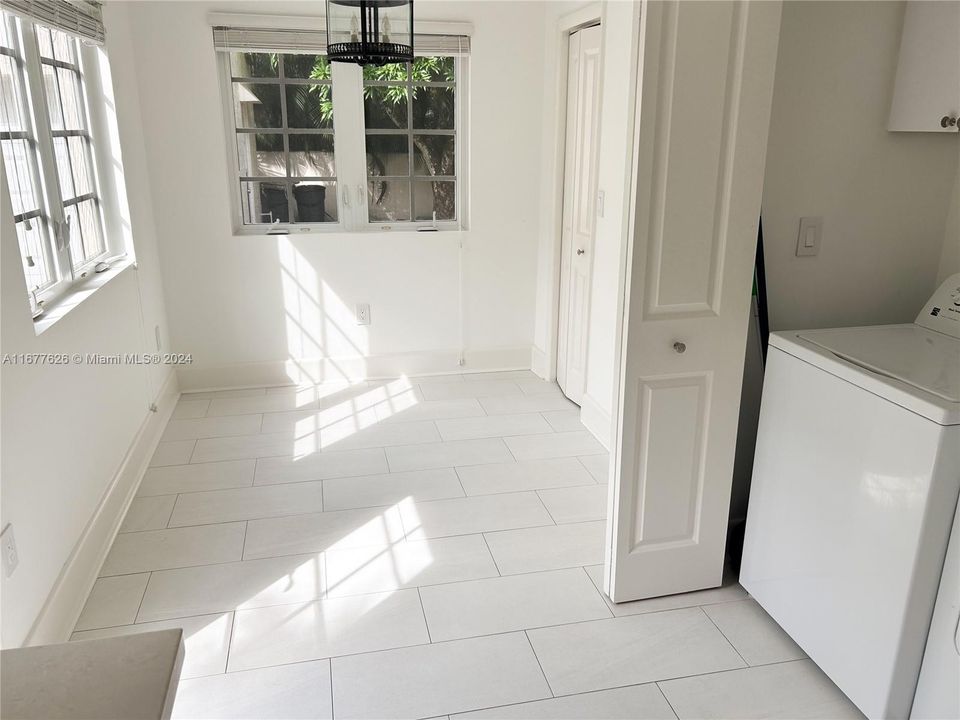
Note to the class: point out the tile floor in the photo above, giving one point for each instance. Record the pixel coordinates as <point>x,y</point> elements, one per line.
<point>417,549</point>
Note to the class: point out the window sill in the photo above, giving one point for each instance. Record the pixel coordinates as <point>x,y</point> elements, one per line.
<point>58,308</point>
<point>319,230</point>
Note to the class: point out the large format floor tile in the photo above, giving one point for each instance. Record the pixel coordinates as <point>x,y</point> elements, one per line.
<point>148,513</point>
<point>186,408</point>
<point>179,547</point>
<point>263,403</point>
<point>408,564</point>
<point>300,534</point>
<point>195,478</point>
<point>448,454</point>
<point>507,404</point>
<point>261,501</point>
<point>533,447</point>
<point>232,586</point>
<point>631,650</point>
<point>789,691</point>
<point>477,389</point>
<point>564,420</point>
<point>206,640</point>
<point>391,488</point>
<point>637,702</point>
<point>730,590</point>
<point>493,426</point>
<point>344,436</point>
<point>464,516</point>
<point>598,466</point>
<point>576,504</point>
<point>754,634</point>
<point>113,601</point>
<point>431,680</point>
<point>320,466</point>
<point>526,475</point>
<point>416,410</point>
<point>286,692</point>
<point>250,446</point>
<point>326,628</point>
<point>175,452</point>
<point>504,604</point>
<point>547,548</point>
<point>191,429</point>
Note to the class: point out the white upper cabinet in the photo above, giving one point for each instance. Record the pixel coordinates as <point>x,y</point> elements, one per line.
<point>926,94</point>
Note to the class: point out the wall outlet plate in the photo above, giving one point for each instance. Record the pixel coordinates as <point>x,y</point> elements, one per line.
<point>9,547</point>
<point>808,239</point>
<point>363,314</point>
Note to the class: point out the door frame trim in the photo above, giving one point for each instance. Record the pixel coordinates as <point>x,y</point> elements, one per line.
<point>544,359</point>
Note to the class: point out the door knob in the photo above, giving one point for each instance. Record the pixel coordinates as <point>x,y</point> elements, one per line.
<point>947,121</point>
<point>580,251</point>
<point>680,347</point>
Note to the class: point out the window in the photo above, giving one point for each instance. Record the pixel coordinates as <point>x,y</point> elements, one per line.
<point>50,155</point>
<point>320,145</point>
<point>410,119</point>
<point>283,113</point>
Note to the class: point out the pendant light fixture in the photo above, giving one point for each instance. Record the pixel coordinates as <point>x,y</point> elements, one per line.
<point>370,32</point>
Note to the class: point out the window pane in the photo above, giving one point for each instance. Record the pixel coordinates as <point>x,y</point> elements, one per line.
<point>433,108</point>
<point>46,44</point>
<point>257,105</point>
<point>70,99</point>
<point>438,196</point>
<point>254,65</point>
<point>63,168</point>
<point>316,67</point>
<point>72,218</point>
<point>90,229</point>
<point>393,72</point>
<point>80,164</point>
<point>434,69</point>
<point>385,107</point>
<point>388,200</point>
<point>53,97</point>
<point>388,155</point>
<point>5,40</point>
<point>309,106</point>
<point>434,155</point>
<point>35,268</point>
<point>18,160</point>
<point>261,154</point>
<point>312,156</point>
<point>11,114</point>
<point>315,201</point>
<point>64,46</point>
<point>264,202</point>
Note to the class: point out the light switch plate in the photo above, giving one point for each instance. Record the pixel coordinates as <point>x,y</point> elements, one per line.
<point>10,556</point>
<point>808,239</point>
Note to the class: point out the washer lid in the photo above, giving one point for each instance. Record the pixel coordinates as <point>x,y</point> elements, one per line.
<point>908,364</point>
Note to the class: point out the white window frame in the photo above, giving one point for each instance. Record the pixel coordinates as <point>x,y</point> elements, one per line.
<point>67,278</point>
<point>350,153</point>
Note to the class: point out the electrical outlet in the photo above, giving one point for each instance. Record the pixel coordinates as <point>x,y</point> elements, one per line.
<point>10,557</point>
<point>363,314</point>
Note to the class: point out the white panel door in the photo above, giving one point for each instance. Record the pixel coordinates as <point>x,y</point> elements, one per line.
<point>706,86</point>
<point>579,192</point>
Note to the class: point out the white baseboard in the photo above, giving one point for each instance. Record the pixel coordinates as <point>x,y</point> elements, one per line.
<point>286,372</point>
<point>63,606</point>
<point>597,420</point>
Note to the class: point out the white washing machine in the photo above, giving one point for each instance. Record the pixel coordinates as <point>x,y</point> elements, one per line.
<point>855,485</point>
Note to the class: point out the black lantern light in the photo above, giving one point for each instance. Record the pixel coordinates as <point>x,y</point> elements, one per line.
<point>370,32</point>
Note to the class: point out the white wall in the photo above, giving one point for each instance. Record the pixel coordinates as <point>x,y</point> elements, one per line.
<point>883,196</point>
<point>950,253</point>
<point>249,308</point>
<point>66,429</point>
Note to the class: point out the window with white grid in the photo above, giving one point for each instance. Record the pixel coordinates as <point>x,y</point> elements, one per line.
<point>49,152</point>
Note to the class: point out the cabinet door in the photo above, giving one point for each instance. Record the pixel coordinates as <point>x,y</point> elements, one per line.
<point>927,87</point>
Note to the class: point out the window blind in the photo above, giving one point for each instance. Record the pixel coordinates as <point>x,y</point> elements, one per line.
<point>82,18</point>
<point>314,42</point>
